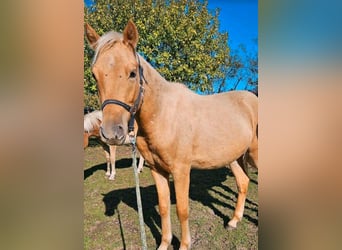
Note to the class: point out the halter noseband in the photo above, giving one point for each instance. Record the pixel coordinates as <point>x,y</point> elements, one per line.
<point>131,109</point>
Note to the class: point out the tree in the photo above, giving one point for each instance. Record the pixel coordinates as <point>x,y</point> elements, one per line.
<point>180,38</point>
<point>242,73</point>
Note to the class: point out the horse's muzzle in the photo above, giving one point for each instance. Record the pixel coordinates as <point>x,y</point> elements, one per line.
<point>116,136</point>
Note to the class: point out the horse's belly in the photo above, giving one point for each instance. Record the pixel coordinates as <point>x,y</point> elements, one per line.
<point>207,161</point>
<point>209,165</point>
<point>218,154</point>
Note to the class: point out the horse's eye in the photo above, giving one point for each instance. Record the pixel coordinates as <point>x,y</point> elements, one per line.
<point>132,74</point>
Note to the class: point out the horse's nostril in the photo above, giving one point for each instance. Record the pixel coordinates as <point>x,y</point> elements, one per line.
<point>119,131</point>
<point>114,135</point>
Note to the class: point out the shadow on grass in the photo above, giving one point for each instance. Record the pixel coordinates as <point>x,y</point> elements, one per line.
<point>149,201</point>
<point>122,163</point>
<point>202,183</point>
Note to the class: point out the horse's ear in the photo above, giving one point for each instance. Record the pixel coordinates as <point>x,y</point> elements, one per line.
<point>130,34</point>
<point>92,36</point>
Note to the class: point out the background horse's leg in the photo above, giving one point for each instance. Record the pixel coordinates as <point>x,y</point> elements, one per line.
<point>106,150</point>
<point>112,153</point>
<point>182,182</point>
<point>242,184</point>
<point>141,163</point>
<point>163,189</point>
<point>85,140</point>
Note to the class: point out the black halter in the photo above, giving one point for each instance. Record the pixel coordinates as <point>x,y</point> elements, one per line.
<point>131,109</point>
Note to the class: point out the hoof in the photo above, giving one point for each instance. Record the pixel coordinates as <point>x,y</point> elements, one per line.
<point>232,224</point>
<point>230,228</point>
<point>112,178</point>
<point>107,174</point>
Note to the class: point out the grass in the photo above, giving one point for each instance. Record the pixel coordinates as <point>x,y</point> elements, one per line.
<point>111,217</point>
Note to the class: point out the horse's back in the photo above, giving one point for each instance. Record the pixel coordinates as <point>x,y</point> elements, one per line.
<point>230,105</point>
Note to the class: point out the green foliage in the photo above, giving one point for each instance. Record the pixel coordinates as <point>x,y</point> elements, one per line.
<point>91,100</point>
<point>180,38</point>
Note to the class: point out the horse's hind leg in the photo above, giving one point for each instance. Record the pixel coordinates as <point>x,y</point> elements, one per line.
<point>253,152</point>
<point>242,184</point>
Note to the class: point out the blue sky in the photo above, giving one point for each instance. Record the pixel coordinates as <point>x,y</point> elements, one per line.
<point>240,19</point>
<point>88,2</point>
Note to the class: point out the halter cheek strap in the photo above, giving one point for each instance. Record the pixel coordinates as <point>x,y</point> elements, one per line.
<point>131,109</point>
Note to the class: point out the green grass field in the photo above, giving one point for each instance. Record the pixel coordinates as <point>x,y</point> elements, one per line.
<point>111,217</point>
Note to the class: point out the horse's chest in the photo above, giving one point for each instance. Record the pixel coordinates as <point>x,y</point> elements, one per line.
<point>161,159</point>
<point>154,156</point>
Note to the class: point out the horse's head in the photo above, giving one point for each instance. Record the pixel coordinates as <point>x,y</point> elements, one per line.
<point>116,70</point>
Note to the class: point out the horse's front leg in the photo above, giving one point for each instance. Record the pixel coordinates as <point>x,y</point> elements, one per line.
<point>182,182</point>
<point>112,150</point>
<point>163,189</point>
<point>242,181</point>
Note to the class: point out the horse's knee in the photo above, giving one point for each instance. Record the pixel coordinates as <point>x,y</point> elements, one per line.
<point>163,210</point>
<point>182,213</point>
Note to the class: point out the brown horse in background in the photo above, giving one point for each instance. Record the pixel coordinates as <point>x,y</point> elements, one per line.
<point>92,122</point>
<point>178,129</point>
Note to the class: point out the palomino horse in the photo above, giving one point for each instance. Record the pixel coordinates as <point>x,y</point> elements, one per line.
<point>178,129</point>
<point>92,123</point>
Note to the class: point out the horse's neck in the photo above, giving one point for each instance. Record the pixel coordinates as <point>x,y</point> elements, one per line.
<point>153,95</point>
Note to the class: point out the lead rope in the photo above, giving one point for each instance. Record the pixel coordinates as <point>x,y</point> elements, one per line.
<point>137,191</point>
